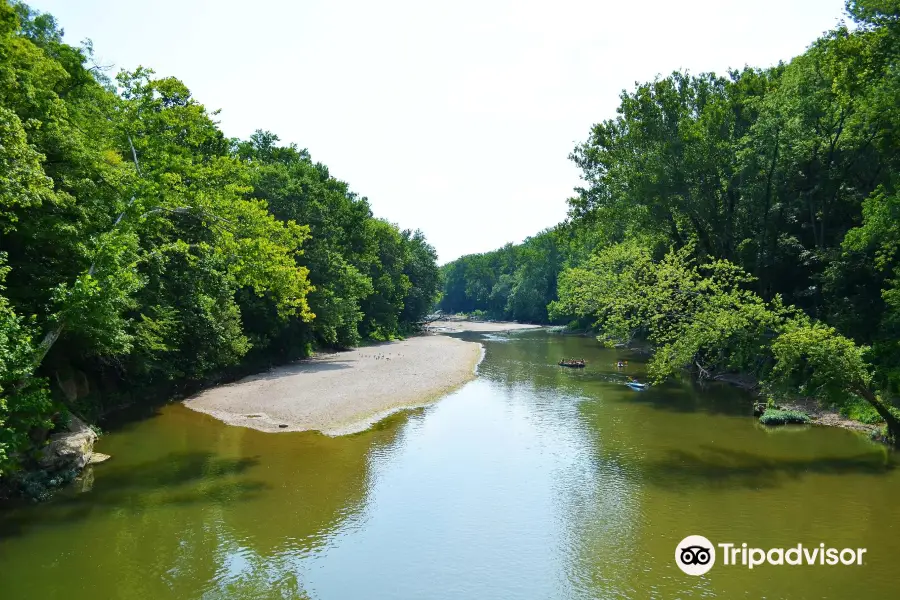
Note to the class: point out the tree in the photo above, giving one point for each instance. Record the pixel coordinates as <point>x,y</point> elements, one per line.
<point>424,277</point>
<point>146,251</point>
<point>24,399</point>
<point>703,316</point>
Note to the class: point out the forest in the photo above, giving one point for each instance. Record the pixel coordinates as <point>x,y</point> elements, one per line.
<point>144,254</point>
<point>746,222</point>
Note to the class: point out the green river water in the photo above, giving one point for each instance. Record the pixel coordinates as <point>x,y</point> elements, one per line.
<point>532,481</point>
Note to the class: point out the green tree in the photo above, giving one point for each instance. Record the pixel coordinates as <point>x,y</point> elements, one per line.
<point>145,249</point>
<point>703,316</point>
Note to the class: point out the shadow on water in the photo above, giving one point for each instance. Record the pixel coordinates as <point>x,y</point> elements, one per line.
<point>123,417</point>
<point>723,468</point>
<point>180,479</point>
<point>178,468</point>
<point>536,363</point>
<point>536,481</point>
<point>686,398</point>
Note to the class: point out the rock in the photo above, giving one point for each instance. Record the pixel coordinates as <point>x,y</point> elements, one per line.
<point>98,457</point>
<point>73,383</point>
<point>85,482</point>
<point>70,449</point>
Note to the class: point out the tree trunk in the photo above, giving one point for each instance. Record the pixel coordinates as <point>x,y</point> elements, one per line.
<point>893,424</point>
<point>53,335</point>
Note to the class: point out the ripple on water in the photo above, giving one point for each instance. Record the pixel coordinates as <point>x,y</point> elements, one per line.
<point>531,481</point>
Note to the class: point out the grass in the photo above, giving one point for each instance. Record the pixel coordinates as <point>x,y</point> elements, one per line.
<point>860,410</point>
<point>774,416</point>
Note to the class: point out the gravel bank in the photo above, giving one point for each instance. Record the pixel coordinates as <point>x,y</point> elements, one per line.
<point>477,326</point>
<point>345,392</point>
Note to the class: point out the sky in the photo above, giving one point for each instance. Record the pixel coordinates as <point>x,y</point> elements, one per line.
<point>456,118</point>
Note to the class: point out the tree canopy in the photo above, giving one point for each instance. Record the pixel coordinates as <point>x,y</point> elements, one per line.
<point>143,252</point>
<point>740,221</point>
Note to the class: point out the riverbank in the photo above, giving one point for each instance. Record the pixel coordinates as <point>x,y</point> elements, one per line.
<point>827,417</point>
<point>462,326</point>
<point>817,414</point>
<point>499,472</point>
<point>344,392</point>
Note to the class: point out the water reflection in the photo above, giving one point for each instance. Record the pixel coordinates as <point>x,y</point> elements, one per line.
<point>188,508</point>
<point>532,481</point>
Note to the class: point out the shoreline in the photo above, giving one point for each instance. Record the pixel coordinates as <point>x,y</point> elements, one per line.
<point>818,414</point>
<point>828,418</point>
<point>341,393</point>
<point>461,326</point>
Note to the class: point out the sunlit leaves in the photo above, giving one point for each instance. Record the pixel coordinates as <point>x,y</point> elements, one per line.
<point>23,183</point>
<point>147,248</point>
<point>24,398</point>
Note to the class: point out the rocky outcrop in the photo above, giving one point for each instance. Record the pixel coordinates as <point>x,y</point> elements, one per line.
<point>98,457</point>
<point>72,449</point>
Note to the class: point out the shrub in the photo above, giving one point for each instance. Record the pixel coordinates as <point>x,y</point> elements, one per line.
<point>862,411</point>
<point>773,416</point>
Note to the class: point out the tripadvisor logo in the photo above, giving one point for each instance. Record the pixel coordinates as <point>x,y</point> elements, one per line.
<point>696,555</point>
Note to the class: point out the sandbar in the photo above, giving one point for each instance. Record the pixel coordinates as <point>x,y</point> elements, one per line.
<point>344,392</point>
<point>460,326</point>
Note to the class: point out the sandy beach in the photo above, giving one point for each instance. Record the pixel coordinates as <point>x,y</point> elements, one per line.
<point>344,392</point>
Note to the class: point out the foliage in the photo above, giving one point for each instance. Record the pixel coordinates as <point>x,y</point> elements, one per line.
<point>694,314</point>
<point>702,315</point>
<point>862,411</point>
<point>744,221</point>
<point>774,416</point>
<point>143,251</point>
<point>24,399</point>
<point>512,283</point>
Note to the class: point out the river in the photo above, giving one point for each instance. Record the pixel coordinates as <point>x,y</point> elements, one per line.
<point>532,481</point>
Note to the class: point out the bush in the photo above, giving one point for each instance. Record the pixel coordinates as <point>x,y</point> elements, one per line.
<point>862,411</point>
<point>880,434</point>
<point>773,416</point>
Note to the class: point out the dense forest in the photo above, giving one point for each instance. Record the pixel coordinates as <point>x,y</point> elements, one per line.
<point>143,253</point>
<point>747,222</point>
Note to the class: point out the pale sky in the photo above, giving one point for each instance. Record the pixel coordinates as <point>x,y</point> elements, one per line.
<point>456,118</point>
